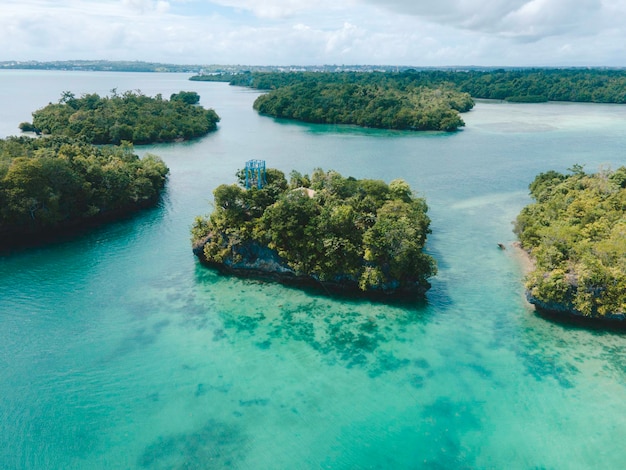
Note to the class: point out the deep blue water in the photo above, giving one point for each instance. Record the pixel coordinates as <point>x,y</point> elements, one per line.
<point>117,350</point>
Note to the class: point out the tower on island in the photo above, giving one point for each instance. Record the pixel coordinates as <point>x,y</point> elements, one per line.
<point>255,173</point>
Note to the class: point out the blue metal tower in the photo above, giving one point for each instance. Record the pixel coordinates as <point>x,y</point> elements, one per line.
<point>255,173</point>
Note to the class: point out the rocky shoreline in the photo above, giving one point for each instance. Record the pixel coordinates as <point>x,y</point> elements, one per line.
<point>560,310</point>
<point>257,261</point>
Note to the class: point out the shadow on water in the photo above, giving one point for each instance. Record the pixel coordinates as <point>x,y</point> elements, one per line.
<point>439,293</point>
<point>113,226</point>
<point>595,326</point>
<point>317,289</point>
<point>556,347</point>
<point>358,131</point>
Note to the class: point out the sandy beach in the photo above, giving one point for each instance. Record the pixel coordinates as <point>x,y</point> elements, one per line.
<point>526,262</point>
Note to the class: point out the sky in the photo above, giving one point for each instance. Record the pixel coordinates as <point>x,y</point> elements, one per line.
<point>317,32</point>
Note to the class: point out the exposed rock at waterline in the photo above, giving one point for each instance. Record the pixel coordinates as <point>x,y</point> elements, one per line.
<point>254,260</point>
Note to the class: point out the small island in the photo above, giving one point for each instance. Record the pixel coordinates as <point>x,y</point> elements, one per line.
<point>382,106</point>
<point>362,237</point>
<point>130,116</point>
<point>56,185</point>
<point>575,232</point>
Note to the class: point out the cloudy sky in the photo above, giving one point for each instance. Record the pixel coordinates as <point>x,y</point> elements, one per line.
<point>309,32</point>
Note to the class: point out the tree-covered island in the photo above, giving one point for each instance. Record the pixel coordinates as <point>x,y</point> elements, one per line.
<point>378,100</point>
<point>130,116</point>
<point>368,105</point>
<point>409,99</point>
<point>55,185</point>
<point>575,231</point>
<point>364,237</point>
<point>521,85</point>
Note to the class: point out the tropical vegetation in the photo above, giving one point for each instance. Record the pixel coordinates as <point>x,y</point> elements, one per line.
<point>417,99</point>
<point>519,85</point>
<point>368,105</point>
<point>130,116</point>
<point>50,184</point>
<point>327,227</point>
<point>576,233</point>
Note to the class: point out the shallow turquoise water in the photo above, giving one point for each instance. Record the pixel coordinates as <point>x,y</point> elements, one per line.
<point>117,350</point>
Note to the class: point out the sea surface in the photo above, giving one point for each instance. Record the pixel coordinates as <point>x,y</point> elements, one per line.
<point>119,351</point>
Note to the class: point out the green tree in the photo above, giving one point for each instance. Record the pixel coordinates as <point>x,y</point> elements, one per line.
<point>340,229</point>
<point>188,97</point>
<point>130,116</point>
<point>57,182</point>
<point>575,232</point>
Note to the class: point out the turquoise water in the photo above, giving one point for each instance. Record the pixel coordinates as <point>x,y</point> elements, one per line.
<point>117,350</point>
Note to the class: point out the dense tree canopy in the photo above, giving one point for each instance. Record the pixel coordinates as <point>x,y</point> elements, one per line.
<point>418,100</point>
<point>380,106</point>
<point>51,183</point>
<point>579,85</point>
<point>325,226</point>
<point>131,117</point>
<point>520,85</point>
<point>576,232</point>
<point>226,77</point>
<point>189,97</point>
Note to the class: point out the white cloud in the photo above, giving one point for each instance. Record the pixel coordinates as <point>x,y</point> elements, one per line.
<point>469,14</point>
<point>541,18</point>
<point>524,19</point>
<point>275,9</point>
<point>404,32</point>
<point>145,6</point>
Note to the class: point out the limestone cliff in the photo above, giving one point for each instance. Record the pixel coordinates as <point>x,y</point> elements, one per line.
<point>255,260</point>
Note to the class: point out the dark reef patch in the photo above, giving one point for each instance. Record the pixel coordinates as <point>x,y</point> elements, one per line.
<point>541,367</point>
<point>352,334</point>
<point>216,445</point>
<point>247,323</point>
<point>254,402</point>
<point>446,423</point>
<point>416,381</point>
